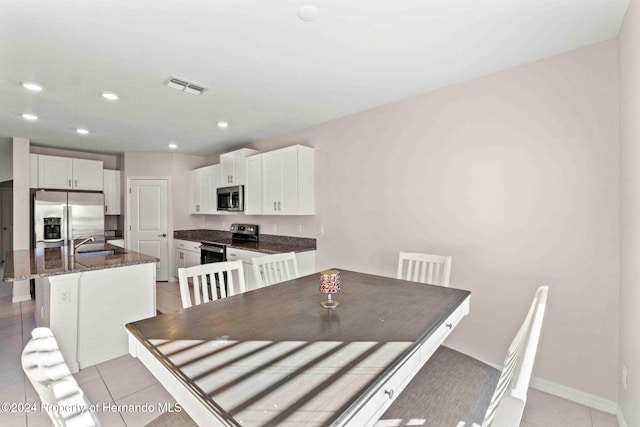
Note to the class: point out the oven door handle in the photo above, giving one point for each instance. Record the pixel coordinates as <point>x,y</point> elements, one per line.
<point>212,249</point>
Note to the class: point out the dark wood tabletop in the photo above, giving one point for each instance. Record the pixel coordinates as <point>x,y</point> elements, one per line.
<point>375,312</point>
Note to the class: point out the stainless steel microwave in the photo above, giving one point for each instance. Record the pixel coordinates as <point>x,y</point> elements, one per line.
<point>231,198</point>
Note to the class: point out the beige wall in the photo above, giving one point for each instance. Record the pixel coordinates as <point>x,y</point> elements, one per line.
<point>176,166</point>
<point>21,216</point>
<point>629,45</point>
<point>516,176</point>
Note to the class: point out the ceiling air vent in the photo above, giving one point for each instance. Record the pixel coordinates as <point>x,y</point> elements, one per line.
<point>185,85</point>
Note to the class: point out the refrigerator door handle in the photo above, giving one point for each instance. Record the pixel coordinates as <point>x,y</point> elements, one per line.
<point>66,221</point>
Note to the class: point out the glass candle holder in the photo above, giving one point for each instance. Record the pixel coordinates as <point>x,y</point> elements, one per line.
<point>329,284</point>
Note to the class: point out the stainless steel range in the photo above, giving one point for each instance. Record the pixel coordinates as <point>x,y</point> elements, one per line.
<point>216,251</point>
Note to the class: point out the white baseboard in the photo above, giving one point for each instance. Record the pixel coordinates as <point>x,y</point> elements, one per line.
<point>621,421</point>
<point>587,399</point>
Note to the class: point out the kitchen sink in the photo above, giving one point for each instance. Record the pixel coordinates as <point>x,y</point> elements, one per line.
<point>95,253</point>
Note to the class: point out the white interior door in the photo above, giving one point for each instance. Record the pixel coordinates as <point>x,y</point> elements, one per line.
<point>148,222</point>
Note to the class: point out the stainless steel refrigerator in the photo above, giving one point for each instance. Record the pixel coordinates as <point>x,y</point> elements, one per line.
<point>60,217</point>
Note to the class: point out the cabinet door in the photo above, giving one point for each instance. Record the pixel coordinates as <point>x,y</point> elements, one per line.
<point>271,182</point>
<point>227,164</point>
<point>288,204</point>
<point>111,188</point>
<point>204,174</point>
<point>253,186</point>
<point>280,182</point>
<point>194,192</point>
<point>87,174</point>
<point>55,172</point>
<point>192,258</point>
<point>215,182</point>
<point>180,260</point>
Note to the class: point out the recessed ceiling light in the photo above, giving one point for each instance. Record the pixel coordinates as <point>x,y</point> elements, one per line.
<point>173,146</point>
<point>32,86</point>
<point>308,13</point>
<point>223,124</point>
<point>82,131</point>
<point>110,96</point>
<point>29,116</point>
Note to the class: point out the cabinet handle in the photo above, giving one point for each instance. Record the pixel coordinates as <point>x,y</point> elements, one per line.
<point>106,209</point>
<point>449,325</point>
<point>274,206</point>
<point>76,183</point>
<point>389,393</point>
<point>279,206</point>
<point>69,183</point>
<point>162,235</point>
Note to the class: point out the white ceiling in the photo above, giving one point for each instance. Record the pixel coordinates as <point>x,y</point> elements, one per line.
<point>269,72</point>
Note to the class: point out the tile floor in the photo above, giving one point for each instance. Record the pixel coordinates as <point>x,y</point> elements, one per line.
<point>125,381</point>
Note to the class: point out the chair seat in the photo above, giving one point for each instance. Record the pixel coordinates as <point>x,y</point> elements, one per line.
<point>451,387</point>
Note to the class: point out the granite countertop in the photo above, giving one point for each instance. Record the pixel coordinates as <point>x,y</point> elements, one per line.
<point>43,262</point>
<point>269,244</point>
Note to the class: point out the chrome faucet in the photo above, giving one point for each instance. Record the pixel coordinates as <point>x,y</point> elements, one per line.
<point>92,239</point>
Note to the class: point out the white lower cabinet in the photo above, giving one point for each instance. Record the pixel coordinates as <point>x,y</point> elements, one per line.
<point>187,254</point>
<point>247,268</point>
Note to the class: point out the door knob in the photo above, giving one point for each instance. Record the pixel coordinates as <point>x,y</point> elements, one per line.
<point>162,235</point>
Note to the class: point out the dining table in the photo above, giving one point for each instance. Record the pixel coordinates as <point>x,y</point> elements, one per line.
<point>275,356</point>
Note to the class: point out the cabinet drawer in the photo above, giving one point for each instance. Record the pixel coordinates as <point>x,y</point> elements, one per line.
<point>385,396</point>
<point>186,245</point>
<point>235,255</point>
<point>247,257</point>
<point>431,345</point>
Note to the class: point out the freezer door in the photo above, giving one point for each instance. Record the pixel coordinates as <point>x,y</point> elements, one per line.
<point>50,219</point>
<point>86,216</point>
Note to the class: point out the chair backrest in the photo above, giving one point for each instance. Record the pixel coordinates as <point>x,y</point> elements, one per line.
<point>510,396</point>
<point>63,400</point>
<point>210,282</point>
<point>424,268</point>
<point>271,269</point>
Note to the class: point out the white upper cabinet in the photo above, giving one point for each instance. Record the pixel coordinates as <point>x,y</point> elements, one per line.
<point>70,174</point>
<point>288,182</point>
<point>87,174</point>
<point>55,172</point>
<point>199,201</point>
<point>111,187</point>
<point>253,186</point>
<point>233,166</point>
<point>214,183</point>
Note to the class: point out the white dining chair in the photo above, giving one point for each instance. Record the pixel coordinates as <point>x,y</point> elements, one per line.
<point>424,268</point>
<point>271,269</point>
<point>454,389</point>
<point>211,282</point>
<point>62,398</point>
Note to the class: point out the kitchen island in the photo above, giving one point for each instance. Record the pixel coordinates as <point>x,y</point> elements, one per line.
<point>87,297</point>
